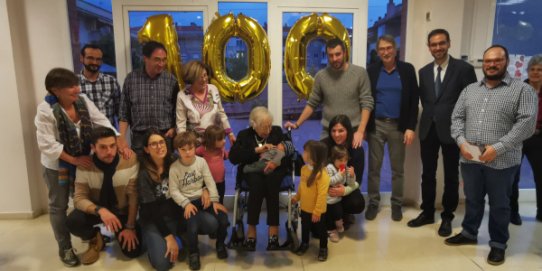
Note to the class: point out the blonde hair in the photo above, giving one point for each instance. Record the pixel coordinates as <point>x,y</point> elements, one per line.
<point>259,114</point>
<point>193,70</point>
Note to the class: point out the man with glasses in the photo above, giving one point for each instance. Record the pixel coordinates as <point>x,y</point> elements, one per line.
<point>100,88</point>
<point>441,82</point>
<point>490,121</point>
<point>148,99</point>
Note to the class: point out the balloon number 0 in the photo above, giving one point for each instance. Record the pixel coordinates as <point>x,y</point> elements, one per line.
<point>295,50</point>
<point>219,32</point>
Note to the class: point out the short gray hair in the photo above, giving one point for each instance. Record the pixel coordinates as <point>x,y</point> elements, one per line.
<point>259,114</point>
<point>535,60</point>
<point>387,37</point>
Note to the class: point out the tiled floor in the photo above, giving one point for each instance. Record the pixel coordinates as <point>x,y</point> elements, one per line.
<point>375,245</point>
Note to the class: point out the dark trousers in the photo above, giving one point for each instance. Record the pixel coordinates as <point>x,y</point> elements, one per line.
<point>353,203</point>
<point>450,155</point>
<point>334,212</point>
<point>139,136</point>
<point>205,221</point>
<point>221,187</point>
<point>263,186</point>
<point>82,225</point>
<point>319,227</point>
<point>532,149</point>
<point>479,181</point>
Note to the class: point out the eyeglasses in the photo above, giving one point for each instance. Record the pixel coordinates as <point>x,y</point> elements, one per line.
<point>157,144</point>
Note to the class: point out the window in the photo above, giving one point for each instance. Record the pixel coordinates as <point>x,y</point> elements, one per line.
<point>384,18</point>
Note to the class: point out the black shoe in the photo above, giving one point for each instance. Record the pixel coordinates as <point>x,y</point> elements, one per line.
<point>249,244</point>
<point>495,256</point>
<point>322,254</point>
<point>396,213</point>
<point>460,239</point>
<point>421,220</point>
<point>515,219</point>
<point>445,228</point>
<point>69,258</point>
<point>273,243</point>
<point>303,247</point>
<point>221,251</point>
<point>193,261</point>
<point>371,212</point>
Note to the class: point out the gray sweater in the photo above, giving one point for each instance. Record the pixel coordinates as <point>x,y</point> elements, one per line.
<point>341,92</point>
<point>186,181</point>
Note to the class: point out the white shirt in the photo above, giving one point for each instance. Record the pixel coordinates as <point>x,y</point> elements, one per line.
<point>47,131</point>
<point>443,66</point>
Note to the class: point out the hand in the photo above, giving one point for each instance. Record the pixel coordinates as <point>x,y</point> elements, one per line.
<point>172,248</point>
<point>124,150</point>
<point>170,133</point>
<point>409,137</point>
<point>205,199</point>
<point>264,148</point>
<point>84,161</point>
<point>219,207</point>
<point>232,138</point>
<point>111,222</point>
<point>269,167</point>
<point>290,125</point>
<point>293,200</point>
<point>315,218</point>
<point>128,238</point>
<point>336,191</point>
<point>465,152</point>
<point>489,154</point>
<point>357,140</point>
<point>190,210</point>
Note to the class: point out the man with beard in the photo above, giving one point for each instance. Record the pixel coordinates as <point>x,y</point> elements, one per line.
<point>441,83</point>
<point>106,193</point>
<point>489,123</point>
<point>102,89</point>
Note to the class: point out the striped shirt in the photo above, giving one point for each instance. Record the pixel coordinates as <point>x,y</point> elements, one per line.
<point>502,117</point>
<point>104,92</point>
<point>147,102</point>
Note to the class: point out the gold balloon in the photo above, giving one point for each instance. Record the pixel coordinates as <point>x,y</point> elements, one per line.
<point>295,50</point>
<point>222,28</point>
<point>161,28</point>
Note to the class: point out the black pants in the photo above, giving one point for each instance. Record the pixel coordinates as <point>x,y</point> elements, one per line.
<point>319,227</point>
<point>82,225</point>
<point>450,154</point>
<point>221,187</point>
<point>264,186</point>
<point>334,212</point>
<point>532,148</point>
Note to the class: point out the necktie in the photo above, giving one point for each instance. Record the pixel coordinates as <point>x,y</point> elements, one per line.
<point>438,82</point>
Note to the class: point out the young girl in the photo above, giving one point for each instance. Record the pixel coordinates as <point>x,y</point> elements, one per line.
<point>212,150</point>
<point>339,174</point>
<point>312,194</point>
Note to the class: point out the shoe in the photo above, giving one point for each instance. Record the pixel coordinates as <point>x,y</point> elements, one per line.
<point>95,245</point>
<point>515,219</point>
<point>322,254</point>
<point>495,256</point>
<point>371,212</point>
<point>396,213</point>
<point>221,251</point>
<point>421,220</point>
<point>193,261</point>
<point>460,239</point>
<point>68,257</point>
<point>249,244</point>
<point>303,247</point>
<point>273,243</point>
<point>445,228</point>
<point>333,236</point>
<point>340,225</point>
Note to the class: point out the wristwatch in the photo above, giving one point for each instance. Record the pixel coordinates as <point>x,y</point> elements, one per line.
<point>96,209</point>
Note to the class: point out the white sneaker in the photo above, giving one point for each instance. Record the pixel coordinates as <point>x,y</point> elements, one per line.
<point>333,236</point>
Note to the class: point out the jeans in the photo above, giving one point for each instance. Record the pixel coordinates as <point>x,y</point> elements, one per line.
<point>205,222</point>
<point>480,180</point>
<point>156,244</point>
<point>58,206</point>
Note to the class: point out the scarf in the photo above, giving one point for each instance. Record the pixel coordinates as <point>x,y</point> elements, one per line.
<point>108,199</point>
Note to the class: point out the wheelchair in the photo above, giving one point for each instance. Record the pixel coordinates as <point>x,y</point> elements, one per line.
<point>237,235</point>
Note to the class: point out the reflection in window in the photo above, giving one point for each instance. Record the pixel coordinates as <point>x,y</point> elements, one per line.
<point>385,18</point>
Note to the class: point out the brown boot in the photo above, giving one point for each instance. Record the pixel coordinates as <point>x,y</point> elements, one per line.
<point>95,245</point>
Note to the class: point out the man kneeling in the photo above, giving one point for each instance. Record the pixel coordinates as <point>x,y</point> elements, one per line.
<point>106,194</point>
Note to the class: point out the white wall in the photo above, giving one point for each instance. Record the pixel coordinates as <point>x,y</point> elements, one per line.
<point>37,35</point>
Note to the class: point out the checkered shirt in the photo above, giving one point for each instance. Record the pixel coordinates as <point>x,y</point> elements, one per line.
<point>502,117</point>
<point>104,92</point>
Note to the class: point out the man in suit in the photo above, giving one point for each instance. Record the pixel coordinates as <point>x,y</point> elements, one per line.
<point>441,82</point>
<point>393,122</point>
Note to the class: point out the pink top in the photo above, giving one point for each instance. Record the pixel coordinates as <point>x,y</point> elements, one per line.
<point>215,161</point>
